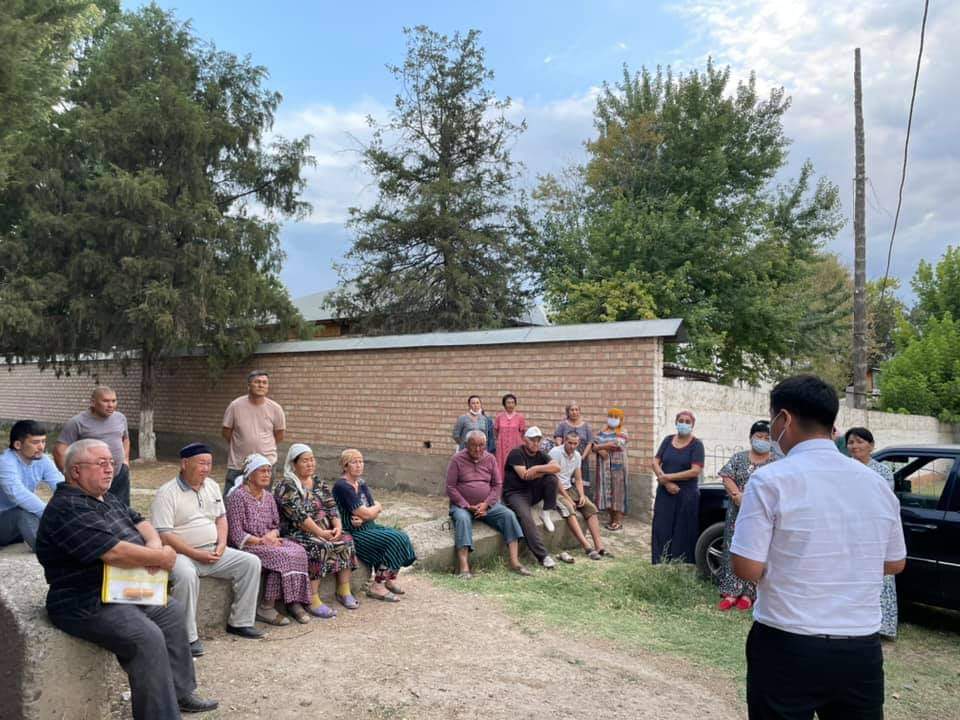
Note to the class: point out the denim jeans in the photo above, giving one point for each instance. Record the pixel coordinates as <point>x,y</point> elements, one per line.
<point>18,525</point>
<point>499,517</point>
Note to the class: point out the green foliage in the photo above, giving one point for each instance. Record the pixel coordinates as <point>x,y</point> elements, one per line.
<point>677,199</point>
<point>441,247</point>
<point>937,288</point>
<point>924,376</point>
<point>138,231</point>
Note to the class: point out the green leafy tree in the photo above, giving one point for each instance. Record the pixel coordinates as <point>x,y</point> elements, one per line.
<point>140,236</point>
<point>885,319</point>
<point>924,376</point>
<point>937,287</point>
<point>678,197</point>
<point>442,247</point>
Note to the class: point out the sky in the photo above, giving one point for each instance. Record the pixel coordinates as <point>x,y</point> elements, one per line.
<point>328,60</point>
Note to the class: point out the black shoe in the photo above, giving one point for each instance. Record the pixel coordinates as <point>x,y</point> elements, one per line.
<point>193,703</point>
<point>245,632</point>
<point>196,648</point>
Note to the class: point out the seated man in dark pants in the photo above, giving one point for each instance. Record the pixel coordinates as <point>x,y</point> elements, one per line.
<point>82,528</point>
<point>529,478</point>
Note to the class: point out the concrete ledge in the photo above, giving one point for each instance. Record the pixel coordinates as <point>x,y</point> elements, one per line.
<point>433,541</point>
<point>45,674</point>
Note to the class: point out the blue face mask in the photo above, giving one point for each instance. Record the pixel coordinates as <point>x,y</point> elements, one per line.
<point>684,429</point>
<point>760,447</point>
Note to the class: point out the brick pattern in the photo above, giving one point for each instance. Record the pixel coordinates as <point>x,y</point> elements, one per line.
<point>393,400</point>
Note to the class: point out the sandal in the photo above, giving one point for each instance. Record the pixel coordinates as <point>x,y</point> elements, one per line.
<point>299,614</point>
<point>323,611</point>
<point>270,616</point>
<point>348,601</point>
<point>465,575</point>
<point>614,527</point>
<point>394,588</point>
<point>388,597</point>
<point>603,552</point>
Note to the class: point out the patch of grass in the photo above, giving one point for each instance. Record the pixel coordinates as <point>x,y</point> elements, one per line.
<point>668,610</point>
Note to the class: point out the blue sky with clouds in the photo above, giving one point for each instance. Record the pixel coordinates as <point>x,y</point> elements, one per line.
<point>328,61</point>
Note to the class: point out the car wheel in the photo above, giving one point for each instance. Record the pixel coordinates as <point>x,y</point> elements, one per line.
<point>709,552</point>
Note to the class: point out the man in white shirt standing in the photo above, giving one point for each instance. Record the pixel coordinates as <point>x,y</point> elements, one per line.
<point>817,531</point>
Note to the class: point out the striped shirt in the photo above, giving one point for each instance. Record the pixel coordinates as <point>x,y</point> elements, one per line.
<point>76,530</point>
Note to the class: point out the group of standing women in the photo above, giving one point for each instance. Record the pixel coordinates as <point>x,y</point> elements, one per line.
<point>298,532</point>
<point>603,454</point>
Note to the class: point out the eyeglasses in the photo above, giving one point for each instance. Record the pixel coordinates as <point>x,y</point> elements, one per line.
<point>102,464</point>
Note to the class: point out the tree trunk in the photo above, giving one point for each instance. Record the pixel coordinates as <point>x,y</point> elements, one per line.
<point>148,379</point>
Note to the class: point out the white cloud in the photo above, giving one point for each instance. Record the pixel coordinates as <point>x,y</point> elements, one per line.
<point>548,59</point>
<point>807,47</point>
<point>621,46</point>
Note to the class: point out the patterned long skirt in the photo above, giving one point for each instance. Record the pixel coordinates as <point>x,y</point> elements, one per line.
<point>286,567</point>
<point>888,607</point>
<point>326,557</point>
<point>730,584</point>
<point>610,483</point>
<point>383,547</point>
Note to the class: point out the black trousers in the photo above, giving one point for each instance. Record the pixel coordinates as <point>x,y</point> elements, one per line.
<point>543,488</point>
<point>120,487</point>
<point>791,677</point>
<point>151,645</point>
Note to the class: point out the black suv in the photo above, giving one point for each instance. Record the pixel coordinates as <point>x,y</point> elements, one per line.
<point>927,482</point>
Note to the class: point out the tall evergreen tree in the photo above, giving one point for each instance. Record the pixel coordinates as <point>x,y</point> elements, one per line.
<point>443,245</point>
<point>139,237</point>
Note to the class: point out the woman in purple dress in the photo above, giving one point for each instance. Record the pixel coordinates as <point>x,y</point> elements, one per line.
<point>255,527</point>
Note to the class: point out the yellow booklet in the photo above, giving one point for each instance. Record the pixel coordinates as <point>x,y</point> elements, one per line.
<point>134,586</point>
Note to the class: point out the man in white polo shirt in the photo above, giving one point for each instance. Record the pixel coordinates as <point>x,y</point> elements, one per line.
<point>571,498</point>
<point>188,512</point>
<point>817,531</point>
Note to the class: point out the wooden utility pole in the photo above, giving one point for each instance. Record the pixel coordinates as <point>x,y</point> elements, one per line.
<point>859,249</point>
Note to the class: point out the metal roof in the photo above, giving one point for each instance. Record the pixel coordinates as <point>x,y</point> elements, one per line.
<point>671,330</point>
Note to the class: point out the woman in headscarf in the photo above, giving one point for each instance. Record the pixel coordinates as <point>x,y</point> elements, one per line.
<point>384,549</point>
<point>610,446</point>
<point>574,422</point>
<point>676,510</point>
<point>736,592</point>
<point>860,444</point>
<point>474,419</point>
<point>255,527</point>
<point>309,517</point>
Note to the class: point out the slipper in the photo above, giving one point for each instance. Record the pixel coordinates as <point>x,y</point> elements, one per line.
<point>744,603</point>
<point>323,611</point>
<point>394,588</point>
<point>465,575</point>
<point>270,616</point>
<point>389,597</point>
<point>594,555</point>
<point>348,601</point>
<point>603,552</point>
<point>299,614</point>
<point>614,527</point>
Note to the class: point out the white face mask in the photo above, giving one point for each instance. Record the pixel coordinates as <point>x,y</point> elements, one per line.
<point>475,412</point>
<point>775,444</point>
<point>613,422</point>
<point>684,429</point>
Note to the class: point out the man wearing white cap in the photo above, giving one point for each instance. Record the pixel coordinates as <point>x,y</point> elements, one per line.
<point>189,514</point>
<point>529,478</point>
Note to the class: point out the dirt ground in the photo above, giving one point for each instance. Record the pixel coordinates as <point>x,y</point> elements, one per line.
<point>440,654</point>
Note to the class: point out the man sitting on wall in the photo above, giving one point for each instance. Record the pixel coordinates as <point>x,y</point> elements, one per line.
<point>473,486</point>
<point>529,478</point>
<point>84,527</point>
<point>189,514</point>
<point>573,498</point>
<point>23,466</point>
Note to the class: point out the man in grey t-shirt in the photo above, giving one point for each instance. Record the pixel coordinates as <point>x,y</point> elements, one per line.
<point>101,422</point>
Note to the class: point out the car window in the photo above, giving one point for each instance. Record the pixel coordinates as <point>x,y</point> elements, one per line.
<point>919,480</point>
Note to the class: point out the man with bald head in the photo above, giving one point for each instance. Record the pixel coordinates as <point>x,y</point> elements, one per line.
<point>82,528</point>
<point>102,421</point>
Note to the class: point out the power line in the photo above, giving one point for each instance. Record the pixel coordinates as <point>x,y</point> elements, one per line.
<point>906,146</point>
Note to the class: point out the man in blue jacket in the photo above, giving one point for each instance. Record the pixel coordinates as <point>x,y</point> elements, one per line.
<point>23,466</point>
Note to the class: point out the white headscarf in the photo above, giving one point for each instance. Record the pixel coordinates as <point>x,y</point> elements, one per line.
<point>253,463</point>
<point>295,451</point>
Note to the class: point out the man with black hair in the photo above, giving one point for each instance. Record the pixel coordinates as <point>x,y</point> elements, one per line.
<point>23,466</point>
<point>817,531</point>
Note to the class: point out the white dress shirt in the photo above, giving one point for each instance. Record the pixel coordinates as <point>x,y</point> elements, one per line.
<point>823,524</point>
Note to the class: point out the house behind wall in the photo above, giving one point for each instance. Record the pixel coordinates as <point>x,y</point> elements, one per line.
<point>395,398</point>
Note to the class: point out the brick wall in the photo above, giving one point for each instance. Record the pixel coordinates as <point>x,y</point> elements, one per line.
<point>389,401</point>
